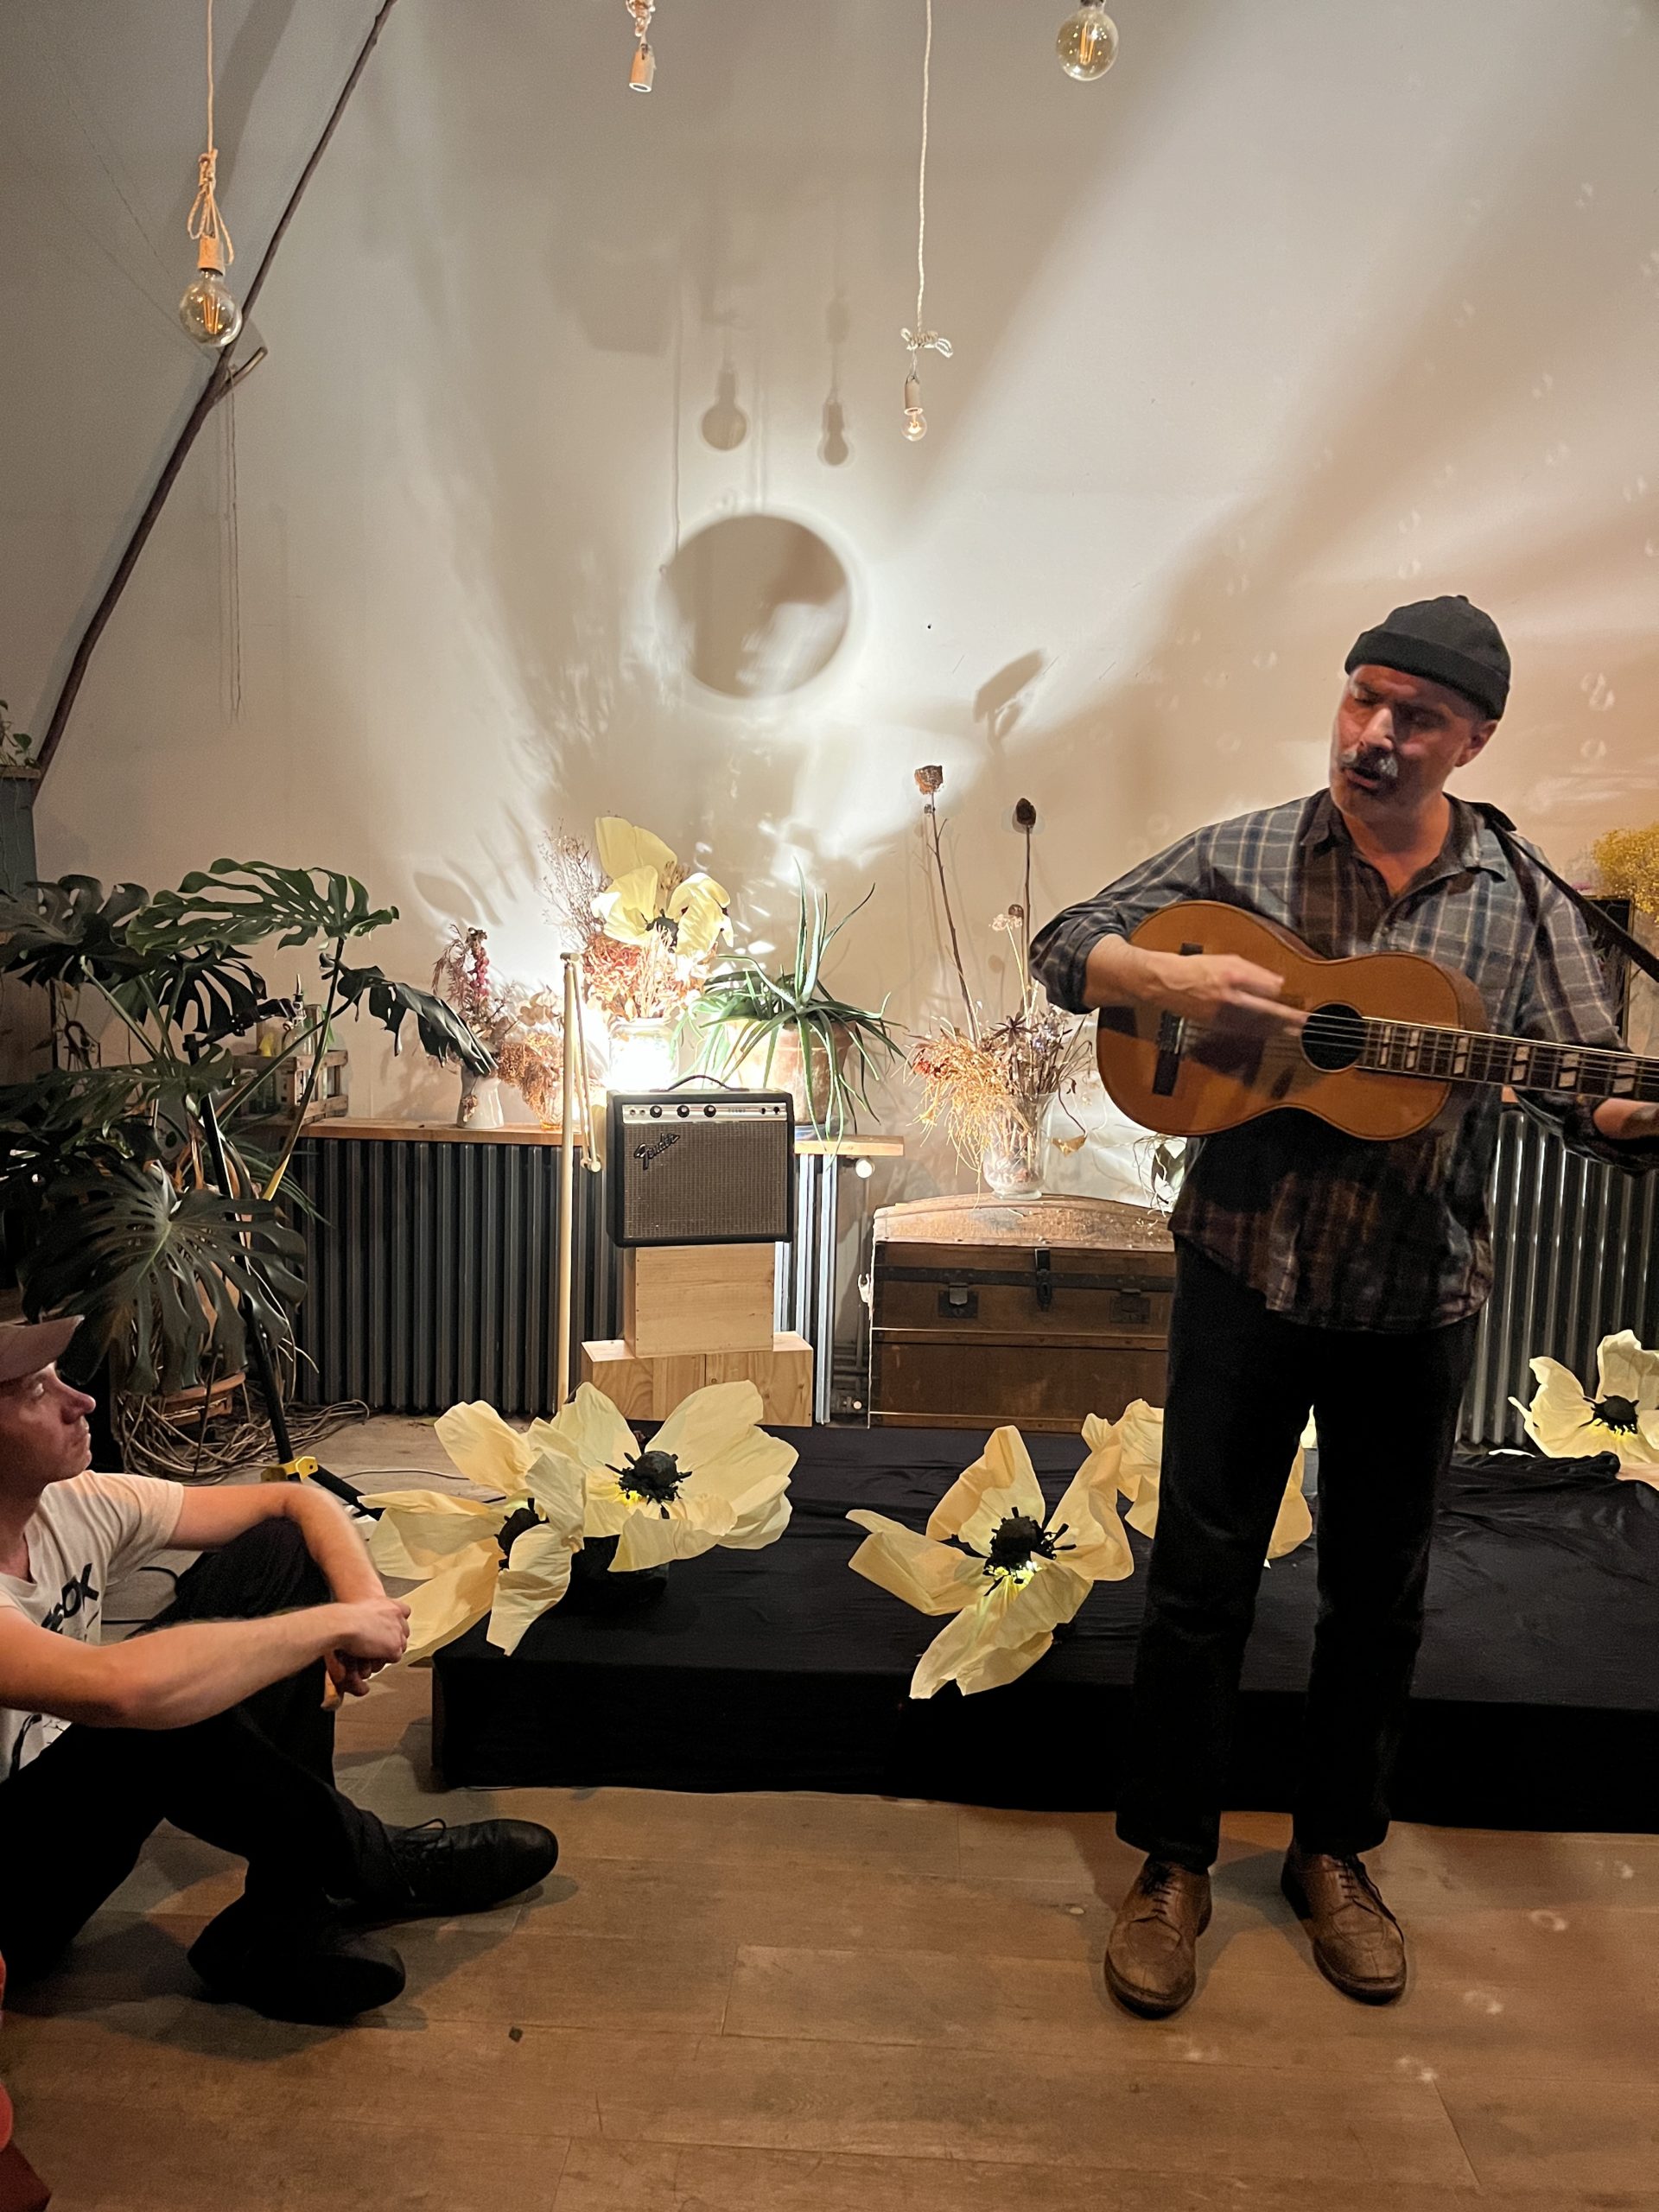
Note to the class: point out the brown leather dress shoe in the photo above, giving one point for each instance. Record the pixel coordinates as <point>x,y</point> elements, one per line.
<point>1151,1954</point>
<point>1357,1945</point>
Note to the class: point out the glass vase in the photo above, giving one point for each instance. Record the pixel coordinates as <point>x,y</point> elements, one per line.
<point>642,1055</point>
<point>1012,1163</point>
<point>480,1103</point>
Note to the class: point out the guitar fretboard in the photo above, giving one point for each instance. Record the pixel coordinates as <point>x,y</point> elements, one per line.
<point>1472,1055</point>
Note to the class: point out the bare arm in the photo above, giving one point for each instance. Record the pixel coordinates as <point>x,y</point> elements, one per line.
<point>177,1675</point>
<point>210,1518</point>
<point>1204,987</point>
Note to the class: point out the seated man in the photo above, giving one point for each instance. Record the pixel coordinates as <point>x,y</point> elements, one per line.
<point>213,1717</point>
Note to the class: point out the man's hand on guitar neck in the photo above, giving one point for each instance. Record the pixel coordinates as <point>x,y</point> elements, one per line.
<point>1214,990</point>
<point>1626,1121</point>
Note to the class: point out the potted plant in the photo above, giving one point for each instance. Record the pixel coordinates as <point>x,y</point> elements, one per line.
<point>785,1030</point>
<point>111,1207</point>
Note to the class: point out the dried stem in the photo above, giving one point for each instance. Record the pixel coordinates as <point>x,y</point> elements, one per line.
<point>932,814</point>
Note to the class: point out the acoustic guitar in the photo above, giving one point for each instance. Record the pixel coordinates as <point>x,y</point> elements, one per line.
<point>1388,1040</point>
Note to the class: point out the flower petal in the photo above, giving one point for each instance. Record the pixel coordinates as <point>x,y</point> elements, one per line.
<point>1002,1481</point>
<point>955,1646</point>
<point>593,1429</point>
<point>630,906</point>
<point>759,1523</point>
<point>485,1449</point>
<point>1103,1436</point>
<point>989,1668</point>
<point>556,1487</point>
<point>419,1531</point>
<point>1088,1512</point>
<point>929,1576</point>
<point>709,1423</point>
<point>447,1605</point>
<point>698,907</point>
<point>1559,1415</point>
<point>1625,1368</point>
<point>650,1538</point>
<point>1294,1523</point>
<point>605,1510</point>
<point>537,1575</point>
<point>752,1472</point>
<point>622,847</point>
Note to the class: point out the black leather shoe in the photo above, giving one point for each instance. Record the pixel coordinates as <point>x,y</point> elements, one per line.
<point>438,1870</point>
<point>301,1964</point>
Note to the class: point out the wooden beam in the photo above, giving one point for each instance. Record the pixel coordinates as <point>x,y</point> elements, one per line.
<point>221,379</point>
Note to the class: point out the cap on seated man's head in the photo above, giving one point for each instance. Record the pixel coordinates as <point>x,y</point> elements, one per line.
<point>1446,641</point>
<point>28,1346</point>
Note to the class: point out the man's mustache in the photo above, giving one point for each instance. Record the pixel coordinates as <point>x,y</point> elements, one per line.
<point>1373,760</point>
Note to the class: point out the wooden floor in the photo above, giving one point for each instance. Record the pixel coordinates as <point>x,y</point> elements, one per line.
<point>843,2005</point>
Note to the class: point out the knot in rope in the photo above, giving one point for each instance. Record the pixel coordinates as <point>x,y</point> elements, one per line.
<point>926,341</point>
<point>205,219</point>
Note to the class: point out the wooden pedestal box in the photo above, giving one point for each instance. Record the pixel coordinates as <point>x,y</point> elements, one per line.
<point>1034,1310</point>
<point>680,1298</point>
<point>644,1388</point>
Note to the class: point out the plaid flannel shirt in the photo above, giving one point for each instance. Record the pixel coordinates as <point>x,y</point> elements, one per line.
<point>1333,1230</point>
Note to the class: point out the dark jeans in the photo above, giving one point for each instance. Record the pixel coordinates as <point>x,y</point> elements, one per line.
<point>257,1780</point>
<point>1242,1380</point>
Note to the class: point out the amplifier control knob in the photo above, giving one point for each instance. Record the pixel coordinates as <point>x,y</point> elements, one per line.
<point>656,1113</point>
<point>682,1111</point>
<point>709,1113</point>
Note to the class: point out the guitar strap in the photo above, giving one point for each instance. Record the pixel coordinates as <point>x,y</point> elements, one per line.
<point>1602,927</point>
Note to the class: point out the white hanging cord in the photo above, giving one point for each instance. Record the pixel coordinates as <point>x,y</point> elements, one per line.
<point>921,338</point>
<point>205,222</point>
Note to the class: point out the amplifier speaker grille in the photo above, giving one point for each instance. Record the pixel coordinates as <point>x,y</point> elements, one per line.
<point>702,1167</point>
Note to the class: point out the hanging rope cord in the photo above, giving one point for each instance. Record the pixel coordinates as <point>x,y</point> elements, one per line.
<point>205,219</point>
<point>921,338</point>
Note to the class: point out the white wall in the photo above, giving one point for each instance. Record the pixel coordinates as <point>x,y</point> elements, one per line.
<point>1310,307</point>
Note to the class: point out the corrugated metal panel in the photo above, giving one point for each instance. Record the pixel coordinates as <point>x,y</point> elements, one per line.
<point>1573,1244</point>
<point>432,1267</point>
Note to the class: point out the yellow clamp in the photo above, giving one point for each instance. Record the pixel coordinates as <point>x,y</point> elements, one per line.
<point>284,1471</point>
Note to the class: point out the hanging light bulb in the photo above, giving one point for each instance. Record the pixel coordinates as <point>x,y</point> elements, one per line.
<point>643,73</point>
<point>915,420</point>
<point>209,311</point>
<point>1088,43</point>
<point>725,426</point>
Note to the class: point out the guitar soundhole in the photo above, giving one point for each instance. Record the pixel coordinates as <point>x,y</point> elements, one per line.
<point>1334,1038</point>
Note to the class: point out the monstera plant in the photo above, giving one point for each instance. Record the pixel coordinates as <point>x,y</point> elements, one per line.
<point>111,1205</point>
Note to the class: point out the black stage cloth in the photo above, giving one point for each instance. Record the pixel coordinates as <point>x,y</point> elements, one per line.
<point>1537,1702</point>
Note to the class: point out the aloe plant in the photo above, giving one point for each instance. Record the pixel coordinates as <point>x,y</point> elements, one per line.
<point>745,1010</point>
<point>109,1209</point>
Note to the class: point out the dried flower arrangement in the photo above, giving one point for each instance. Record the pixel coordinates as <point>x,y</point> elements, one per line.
<point>1627,865</point>
<point>989,1086</point>
<point>521,1024</point>
<point>646,930</point>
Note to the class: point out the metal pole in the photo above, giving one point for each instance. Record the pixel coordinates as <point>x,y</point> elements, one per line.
<point>566,1186</point>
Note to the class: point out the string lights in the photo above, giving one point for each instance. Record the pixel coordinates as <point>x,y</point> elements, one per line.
<point>643,73</point>
<point>209,311</point>
<point>920,340</point>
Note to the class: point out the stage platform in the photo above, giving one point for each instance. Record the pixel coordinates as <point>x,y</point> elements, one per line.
<point>1536,1706</point>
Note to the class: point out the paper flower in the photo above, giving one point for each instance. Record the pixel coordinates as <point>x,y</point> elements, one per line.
<point>1021,1575</point>
<point>1140,1430</point>
<point>451,1547</point>
<point>647,897</point>
<point>1566,1423</point>
<point>709,1475</point>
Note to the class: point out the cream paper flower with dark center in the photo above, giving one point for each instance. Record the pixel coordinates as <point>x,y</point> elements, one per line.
<point>1622,1417</point>
<point>1019,1572</point>
<point>648,896</point>
<point>451,1547</point>
<point>710,1475</point>
<point>1139,1430</point>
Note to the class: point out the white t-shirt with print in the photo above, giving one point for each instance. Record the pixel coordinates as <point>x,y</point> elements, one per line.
<point>85,1534</point>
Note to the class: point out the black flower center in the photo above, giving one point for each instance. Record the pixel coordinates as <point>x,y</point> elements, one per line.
<point>668,928</point>
<point>1619,1413</point>
<point>515,1525</point>
<point>1020,1541</point>
<point>653,1478</point>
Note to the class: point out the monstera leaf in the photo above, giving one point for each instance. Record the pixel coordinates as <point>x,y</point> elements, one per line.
<point>441,1031</point>
<point>162,1274</point>
<point>247,902</point>
<point>70,932</point>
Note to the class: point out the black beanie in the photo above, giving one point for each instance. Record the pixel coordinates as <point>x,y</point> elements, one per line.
<point>1447,640</point>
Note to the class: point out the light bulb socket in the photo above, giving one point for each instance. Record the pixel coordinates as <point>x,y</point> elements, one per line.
<point>913,390</point>
<point>208,256</point>
<point>642,75</point>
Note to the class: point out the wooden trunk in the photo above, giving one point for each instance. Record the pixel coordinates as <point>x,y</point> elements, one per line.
<point>1033,1311</point>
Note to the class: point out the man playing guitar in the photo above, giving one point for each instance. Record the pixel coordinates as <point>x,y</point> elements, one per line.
<point>1316,1270</point>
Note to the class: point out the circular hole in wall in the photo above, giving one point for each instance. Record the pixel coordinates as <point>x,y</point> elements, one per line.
<point>757,605</point>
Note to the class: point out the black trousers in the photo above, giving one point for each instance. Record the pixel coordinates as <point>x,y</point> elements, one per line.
<point>257,1780</point>
<point>1242,1380</point>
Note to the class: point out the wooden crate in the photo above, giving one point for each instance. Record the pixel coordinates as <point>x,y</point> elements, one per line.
<point>1034,1310</point>
<point>648,1389</point>
<point>692,1299</point>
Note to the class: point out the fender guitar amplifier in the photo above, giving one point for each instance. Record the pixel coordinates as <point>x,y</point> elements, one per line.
<point>702,1167</point>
